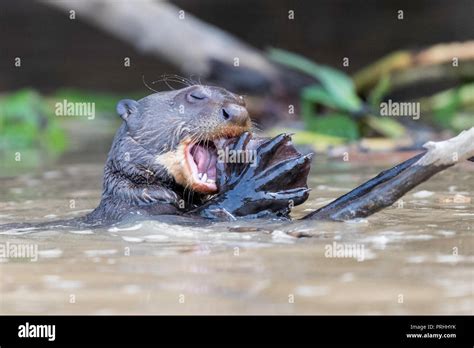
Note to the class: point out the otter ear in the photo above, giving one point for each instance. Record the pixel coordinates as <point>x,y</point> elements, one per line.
<point>126,107</point>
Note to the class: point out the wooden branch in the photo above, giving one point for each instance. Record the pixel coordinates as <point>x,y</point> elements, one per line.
<point>432,62</point>
<point>390,185</point>
<point>158,27</point>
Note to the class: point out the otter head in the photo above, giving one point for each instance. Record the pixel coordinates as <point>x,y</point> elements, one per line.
<point>183,128</point>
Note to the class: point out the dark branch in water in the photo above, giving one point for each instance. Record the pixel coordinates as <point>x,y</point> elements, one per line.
<point>390,185</point>
<point>328,210</point>
<point>377,193</point>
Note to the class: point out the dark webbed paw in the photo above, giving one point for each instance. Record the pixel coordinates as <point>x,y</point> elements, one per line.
<point>270,182</point>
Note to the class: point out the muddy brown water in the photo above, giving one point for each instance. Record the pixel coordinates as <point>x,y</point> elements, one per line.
<point>415,257</point>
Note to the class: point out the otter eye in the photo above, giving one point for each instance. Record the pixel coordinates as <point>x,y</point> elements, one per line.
<point>194,96</point>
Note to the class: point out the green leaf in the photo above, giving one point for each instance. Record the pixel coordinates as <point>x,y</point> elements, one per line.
<point>318,95</point>
<point>340,91</point>
<point>386,126</point>
<point>379,91</point>
<point>339,125</point>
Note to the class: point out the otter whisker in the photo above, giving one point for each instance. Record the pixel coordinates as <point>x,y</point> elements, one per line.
<point>175,78</point>
<point>166,80</point>
<point>196,82</point>
<point>188,194</point>
<point>166,83</point>
<point>147,86</point>
<point>254,127</point>
<point>182,78</point>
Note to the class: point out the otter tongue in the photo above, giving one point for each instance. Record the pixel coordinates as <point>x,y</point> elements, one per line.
<point>205,161</point>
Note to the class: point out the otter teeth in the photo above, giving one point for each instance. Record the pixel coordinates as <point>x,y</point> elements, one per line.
<point>203,177</point>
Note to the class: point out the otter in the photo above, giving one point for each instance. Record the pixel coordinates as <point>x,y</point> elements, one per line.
<point>165,160</point>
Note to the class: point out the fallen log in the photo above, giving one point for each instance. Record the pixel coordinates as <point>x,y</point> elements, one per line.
<point>172,34</point>
<point>390,185</point>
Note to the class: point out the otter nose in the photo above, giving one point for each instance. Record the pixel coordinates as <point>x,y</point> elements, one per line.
<point>235,113</point>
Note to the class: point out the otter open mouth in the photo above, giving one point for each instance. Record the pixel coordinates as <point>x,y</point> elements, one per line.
<point>201,159</point>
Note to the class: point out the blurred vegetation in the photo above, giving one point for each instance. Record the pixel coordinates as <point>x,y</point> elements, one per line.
<point>104,102</point>
<point>453,108</point>
<point>341,115</point>
<point>334,107</point>
<point>30,132</point>
<point>26,121</point>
